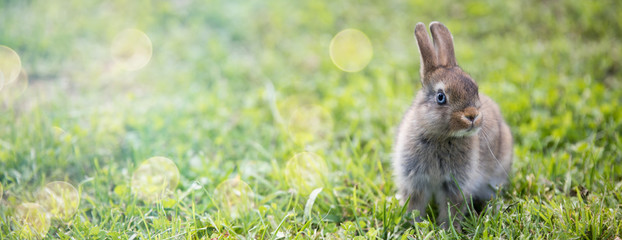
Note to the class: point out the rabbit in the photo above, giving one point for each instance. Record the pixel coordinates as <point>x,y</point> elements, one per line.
<point>453,142</point>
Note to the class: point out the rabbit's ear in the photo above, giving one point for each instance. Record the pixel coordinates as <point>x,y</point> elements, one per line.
<point>428,56</point>
<point>444,44</point>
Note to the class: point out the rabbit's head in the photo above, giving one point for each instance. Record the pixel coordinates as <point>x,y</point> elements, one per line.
<point>449,105</point>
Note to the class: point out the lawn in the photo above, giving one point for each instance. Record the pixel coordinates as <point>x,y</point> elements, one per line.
<point>229,119</point>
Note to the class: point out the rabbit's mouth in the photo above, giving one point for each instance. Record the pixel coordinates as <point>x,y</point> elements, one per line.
<point>471,131</point>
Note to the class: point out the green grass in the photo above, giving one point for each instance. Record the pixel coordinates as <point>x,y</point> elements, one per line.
<point>213,96</point>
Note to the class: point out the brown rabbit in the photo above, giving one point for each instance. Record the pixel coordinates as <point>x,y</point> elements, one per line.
<point>453,142</point>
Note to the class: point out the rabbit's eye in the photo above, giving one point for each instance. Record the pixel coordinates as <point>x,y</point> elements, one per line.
<point>441,98</point>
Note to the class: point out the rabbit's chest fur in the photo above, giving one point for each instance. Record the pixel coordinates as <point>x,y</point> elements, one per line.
<point>434,165</point>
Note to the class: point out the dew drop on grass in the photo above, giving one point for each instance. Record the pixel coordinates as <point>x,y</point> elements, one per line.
<point>351,50</point>
<point>155,179</point>
<point>10,66</point>
<point>31,221</point>
<point>131,49</point>
<point>60,199</point>
<point>306,171</point>
<point>234,198</point>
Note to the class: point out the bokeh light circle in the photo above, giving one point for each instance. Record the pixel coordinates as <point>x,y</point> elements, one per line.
<point>32,221</point>
<point>306,171</point>
<point>309,123</point>
<point>60,199</point>
<point>16,88</point>
<point>155,179</point>
<point>351,50</point>
<point>131,49</point>
<point>234,198</point>
<point>10,65</point>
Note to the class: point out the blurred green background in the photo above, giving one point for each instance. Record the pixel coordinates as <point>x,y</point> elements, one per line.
<point>224,77</point>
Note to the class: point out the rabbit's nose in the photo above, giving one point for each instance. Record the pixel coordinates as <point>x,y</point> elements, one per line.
<point>471,114</point>
<point>470,117</point>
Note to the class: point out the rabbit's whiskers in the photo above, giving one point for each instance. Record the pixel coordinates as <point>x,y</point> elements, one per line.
<point>489,149</point>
